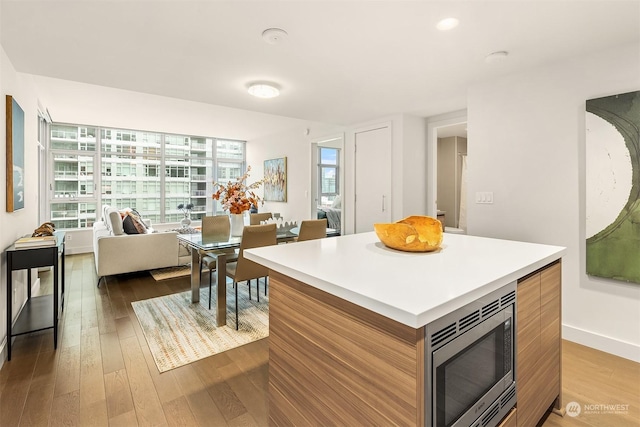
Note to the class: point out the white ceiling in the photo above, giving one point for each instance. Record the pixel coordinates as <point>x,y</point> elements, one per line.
<point>343,62</point>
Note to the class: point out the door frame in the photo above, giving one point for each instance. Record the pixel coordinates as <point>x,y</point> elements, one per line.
<point>433,124</point>
<point>313,194</point>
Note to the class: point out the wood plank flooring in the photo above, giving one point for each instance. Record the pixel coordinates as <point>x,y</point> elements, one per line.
<point>102,373</point>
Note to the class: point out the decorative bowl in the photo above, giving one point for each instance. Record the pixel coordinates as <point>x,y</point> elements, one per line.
<point>413,234</point>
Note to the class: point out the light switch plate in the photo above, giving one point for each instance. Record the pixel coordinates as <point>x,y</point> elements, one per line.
<point>484,197</point>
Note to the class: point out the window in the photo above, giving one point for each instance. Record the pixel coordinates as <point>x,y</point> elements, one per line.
<point>151,172</point>
<point>328,176</point>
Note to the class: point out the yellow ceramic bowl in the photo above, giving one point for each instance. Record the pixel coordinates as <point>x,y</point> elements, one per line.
<point>412,234</point>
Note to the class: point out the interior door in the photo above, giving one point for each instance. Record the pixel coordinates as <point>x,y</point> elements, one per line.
<point>373,177</point>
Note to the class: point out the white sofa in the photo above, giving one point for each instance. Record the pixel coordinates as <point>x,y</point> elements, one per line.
<point>116,252</point>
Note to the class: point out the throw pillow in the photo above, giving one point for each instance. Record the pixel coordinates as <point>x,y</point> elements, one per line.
<point>128,225</point>
<point>337,202</point>
<point>133,224</point>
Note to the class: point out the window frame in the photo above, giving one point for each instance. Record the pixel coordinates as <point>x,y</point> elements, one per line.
<point>336,168</point>
<point>168,157</point>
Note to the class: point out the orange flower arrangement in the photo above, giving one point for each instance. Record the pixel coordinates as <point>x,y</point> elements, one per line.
<point>237,196</point>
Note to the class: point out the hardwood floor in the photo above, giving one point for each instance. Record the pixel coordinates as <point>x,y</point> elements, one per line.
<point>103,374</point>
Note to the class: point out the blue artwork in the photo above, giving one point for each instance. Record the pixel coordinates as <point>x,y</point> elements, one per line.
<point>15,155</point>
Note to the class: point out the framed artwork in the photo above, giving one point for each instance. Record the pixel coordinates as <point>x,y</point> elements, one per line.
<point>613,187</point>
<point>275,180</point>
<point>15,155</point>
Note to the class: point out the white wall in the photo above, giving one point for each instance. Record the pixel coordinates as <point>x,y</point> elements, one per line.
<point>295,145</point>
<point>23,221</point>
<point>528,133</point>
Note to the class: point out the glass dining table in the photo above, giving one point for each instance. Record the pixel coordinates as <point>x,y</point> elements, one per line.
<point>214,247</point>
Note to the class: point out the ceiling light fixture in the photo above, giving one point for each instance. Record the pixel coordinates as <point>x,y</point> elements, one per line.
<point>263,90</point>
<point>447,24</point>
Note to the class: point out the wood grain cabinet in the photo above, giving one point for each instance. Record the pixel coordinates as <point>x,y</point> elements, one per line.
<point>538,363</point>
<point>509,420</point>
<point>334,362</point>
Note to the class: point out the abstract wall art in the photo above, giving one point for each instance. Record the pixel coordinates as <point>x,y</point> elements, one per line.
<point>275,180</point>
<point>613,187</point>
<point>15,155</point>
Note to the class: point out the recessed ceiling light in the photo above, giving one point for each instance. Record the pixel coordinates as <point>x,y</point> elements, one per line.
<point>498,56</point>
<point>263,90</point>
<point>447,24</point>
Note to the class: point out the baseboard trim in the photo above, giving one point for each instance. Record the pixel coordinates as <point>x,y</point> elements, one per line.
<point>610,345</point>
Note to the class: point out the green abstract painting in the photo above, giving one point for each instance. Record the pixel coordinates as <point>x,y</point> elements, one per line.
<point>613,187</point>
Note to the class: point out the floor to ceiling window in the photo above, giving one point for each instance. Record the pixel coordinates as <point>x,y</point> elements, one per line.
<point>149,171</point>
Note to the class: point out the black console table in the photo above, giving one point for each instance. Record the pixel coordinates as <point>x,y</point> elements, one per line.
<point>41,312</point>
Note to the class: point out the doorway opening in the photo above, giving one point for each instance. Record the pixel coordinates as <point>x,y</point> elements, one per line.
<point>327,178</point>
<point>447,163</point>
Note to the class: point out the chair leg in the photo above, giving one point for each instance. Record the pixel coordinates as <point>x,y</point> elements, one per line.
<point>258,288</point>
<point>249,283</point>
<point>210,281</point>
<point>265,284</point>
<point>236,306</point>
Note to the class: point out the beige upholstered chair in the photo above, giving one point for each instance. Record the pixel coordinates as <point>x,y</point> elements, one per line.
<point>215,229</point>
<point>312,229</point>
<point>256,218</point>
<point>253,236</point>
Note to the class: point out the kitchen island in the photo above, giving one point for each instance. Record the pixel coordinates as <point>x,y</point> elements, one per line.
<point>348,317</point>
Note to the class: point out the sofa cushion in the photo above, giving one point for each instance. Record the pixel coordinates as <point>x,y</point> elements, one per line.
<point>114,222</point>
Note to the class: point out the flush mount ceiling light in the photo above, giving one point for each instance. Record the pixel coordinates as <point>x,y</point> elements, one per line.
<point>498,56</point>
<point>263,90</point>
<point>447,24</point>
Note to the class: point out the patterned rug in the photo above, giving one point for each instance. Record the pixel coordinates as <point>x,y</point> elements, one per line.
<point>171,272</point>
<point>179,332</point>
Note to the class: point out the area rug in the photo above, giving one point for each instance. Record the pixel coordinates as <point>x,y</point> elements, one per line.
<point>179,332</point>
<point>171,272</point>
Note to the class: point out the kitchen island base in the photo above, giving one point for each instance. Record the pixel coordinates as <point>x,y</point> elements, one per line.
<point>335,362</point>
<point>331,361</point>
<point>347,332</point>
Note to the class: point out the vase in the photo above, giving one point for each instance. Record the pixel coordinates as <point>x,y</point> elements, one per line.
<point>237,224</point>
<point>186,221</point>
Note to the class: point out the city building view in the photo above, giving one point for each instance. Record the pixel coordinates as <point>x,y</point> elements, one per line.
<point>150,172</point>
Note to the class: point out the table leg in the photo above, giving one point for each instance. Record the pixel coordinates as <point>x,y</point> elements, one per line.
<point>221,284</point>
<point>9,298</point>
<point>56,271</point>
<point>195,275</point>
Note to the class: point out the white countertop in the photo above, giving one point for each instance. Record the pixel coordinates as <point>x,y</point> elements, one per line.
<point>411,288</point>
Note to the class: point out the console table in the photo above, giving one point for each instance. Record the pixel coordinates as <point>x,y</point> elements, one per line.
<point>40,312</point>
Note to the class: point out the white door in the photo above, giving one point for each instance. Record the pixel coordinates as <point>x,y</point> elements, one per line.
<point>373,177</point>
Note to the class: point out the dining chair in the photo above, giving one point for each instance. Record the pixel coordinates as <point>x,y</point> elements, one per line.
<point>215,229</point>
<point>312,229</point>
<point>253,236</point>
<point>257,218</point>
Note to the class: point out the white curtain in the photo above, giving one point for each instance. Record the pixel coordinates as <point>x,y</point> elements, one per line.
<point>462,219</point>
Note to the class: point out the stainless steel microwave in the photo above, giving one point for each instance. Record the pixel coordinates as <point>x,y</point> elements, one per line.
<point>470,363</point>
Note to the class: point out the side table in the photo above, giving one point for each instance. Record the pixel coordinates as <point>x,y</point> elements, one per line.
<point>40,312</point>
